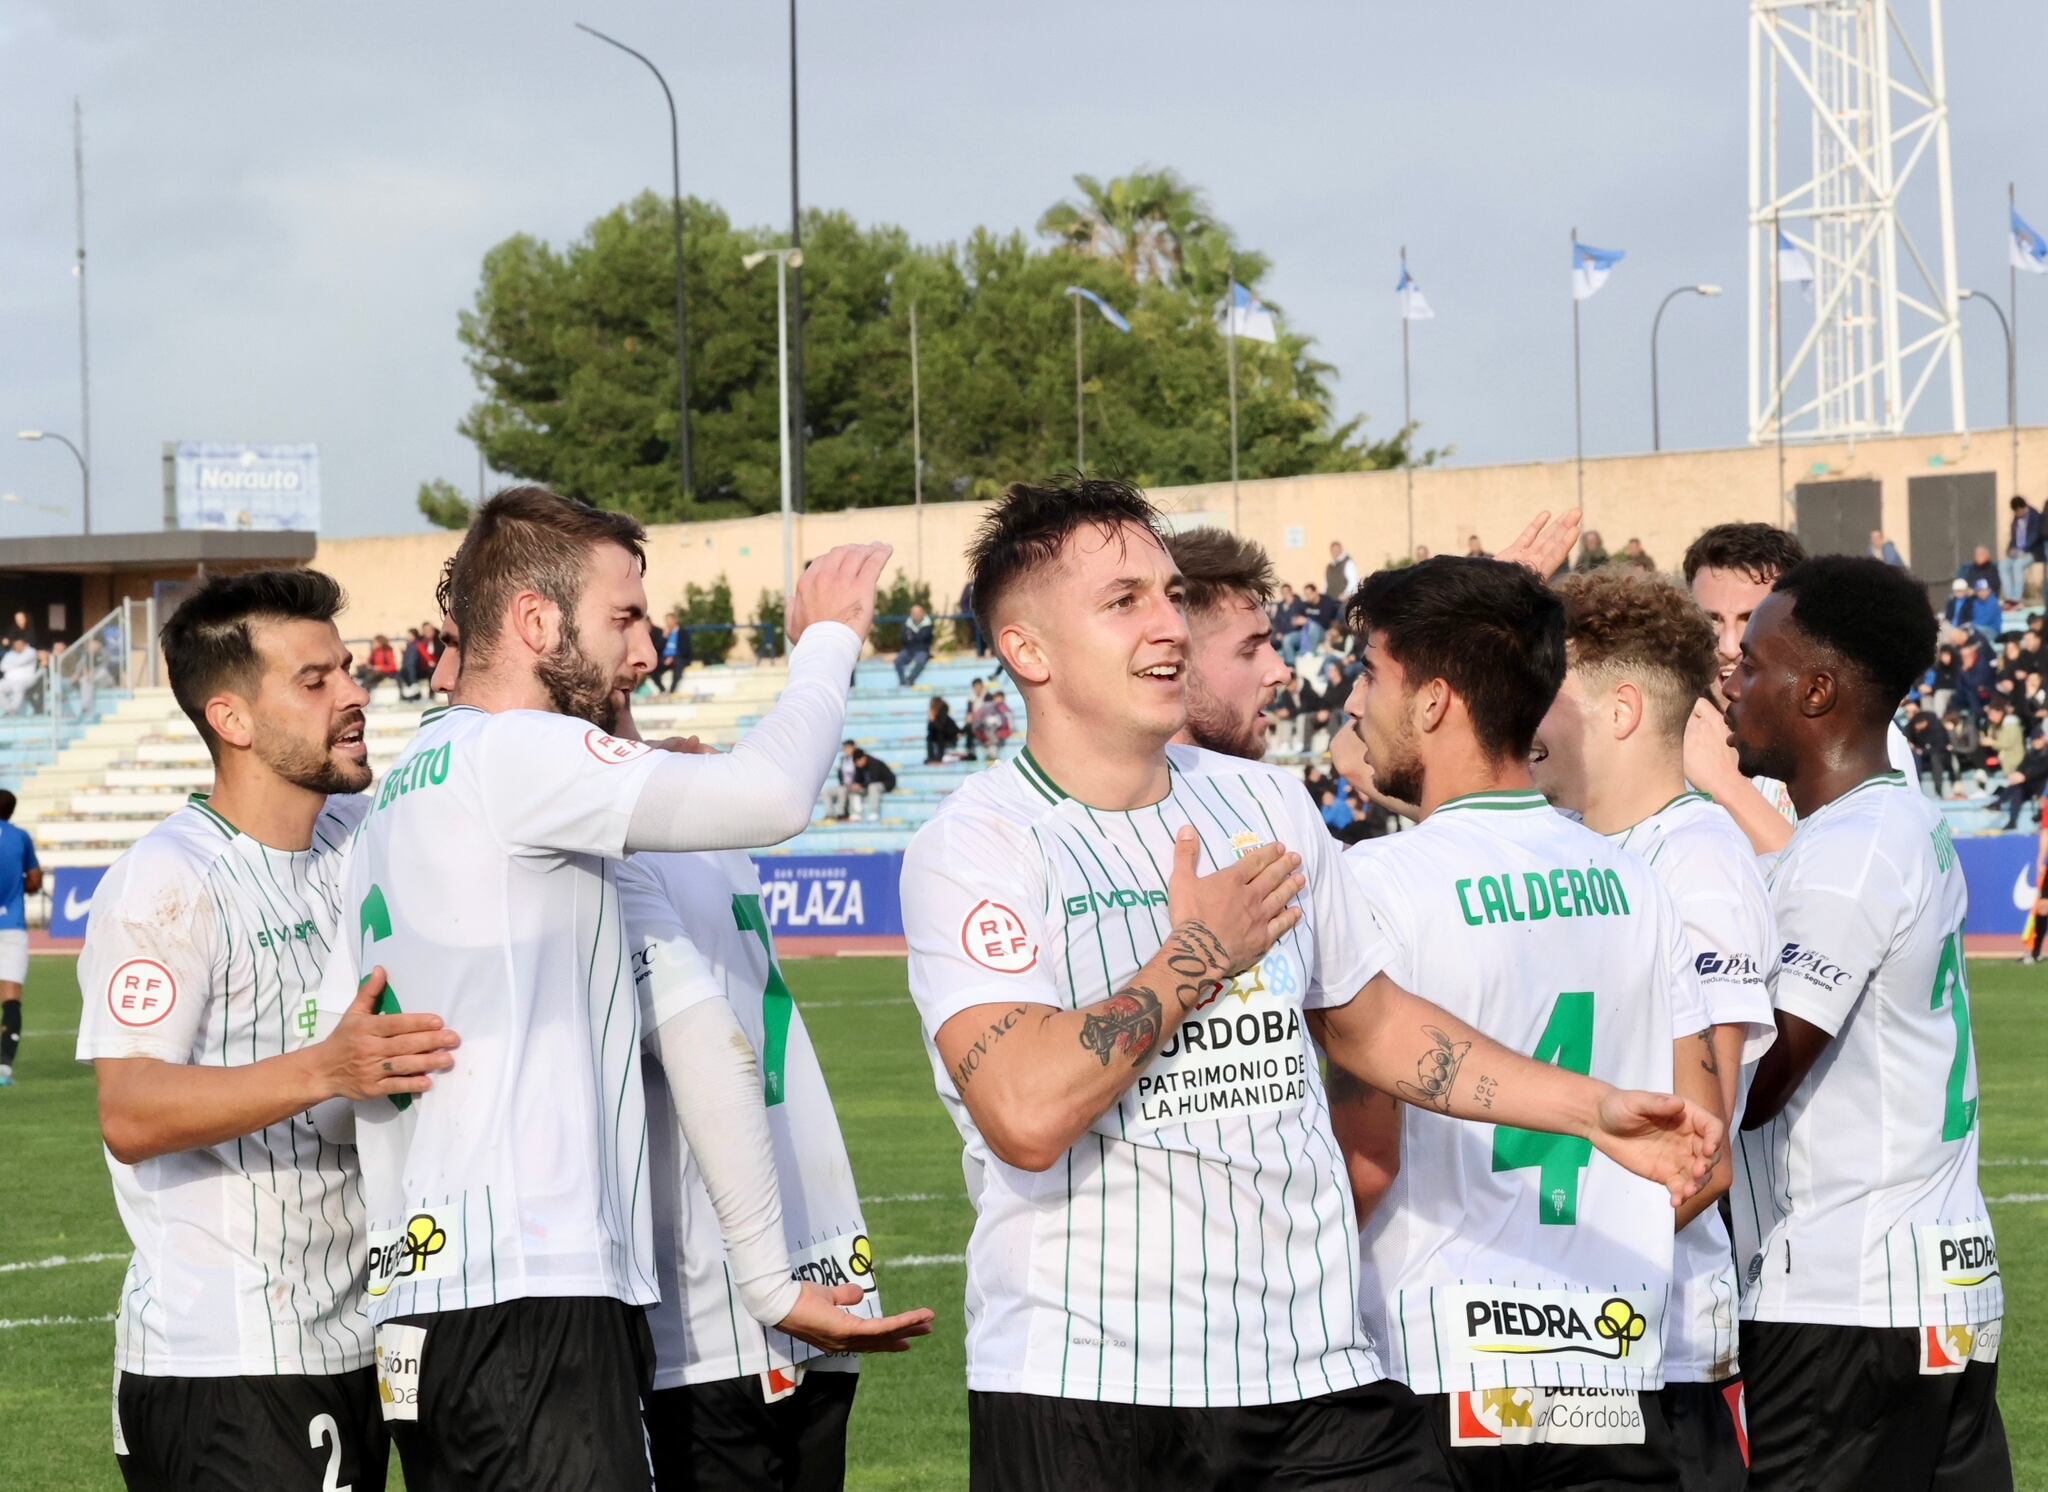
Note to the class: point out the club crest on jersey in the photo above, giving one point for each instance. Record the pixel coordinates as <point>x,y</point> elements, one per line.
<point>612,750</point>
<point>419,1250</point>
<point>1243,844</point>
<point>1573,1325</point>
<point>995,937</point>
<point>140,993</point>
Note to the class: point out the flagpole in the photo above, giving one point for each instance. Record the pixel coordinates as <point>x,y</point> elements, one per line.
<point>2012,368</point>
<point>1080,425</point>
<point>1407,414</point>
<point>1778,354</point>
<point>1230,342</point>
<point>1578,402</point>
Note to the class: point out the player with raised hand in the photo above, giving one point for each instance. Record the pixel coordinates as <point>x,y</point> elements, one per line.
<point>510,1235</point>
<point>242,1353</point>
<point>1518,1280</point>
<point>1113,950</point>
<point>1730,568</point>
<point>1871,1297</point>
<point>1612,750</point>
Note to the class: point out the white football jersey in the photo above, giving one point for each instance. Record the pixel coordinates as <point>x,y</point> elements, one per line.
<point>1711,871</point>
<point>702,1333</point>
<point>1896,750</point>
<point>1503,1257</point>
<point>1858,1205</point>
<point>1198,1246</point>
<point>206,948</point>
<point>484,882</point>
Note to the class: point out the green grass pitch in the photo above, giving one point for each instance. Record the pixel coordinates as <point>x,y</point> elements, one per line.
<point>909,1424</point>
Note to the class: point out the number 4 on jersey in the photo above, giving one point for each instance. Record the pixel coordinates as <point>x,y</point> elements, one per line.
<point>1952,982</point>
<point>1567,1041</point>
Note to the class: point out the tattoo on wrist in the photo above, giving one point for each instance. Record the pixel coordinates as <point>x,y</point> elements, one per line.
<point>1485,1091</point>
<point>1710,1061</point>
<point>1199,962</point>
<point>1436,1072</point>
<point>1129,1022</point>
<point>963,1072</point>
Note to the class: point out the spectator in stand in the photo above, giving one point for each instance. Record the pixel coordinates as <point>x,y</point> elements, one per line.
<point>1957,613</point>
<point>416,668</point>
<point>1325,608</point>
<point>997,713</point>
<point>95,674</point>
<point>2009,665</point>
<point>915,651</point>
<point>1974,674</point>
<point>1288,616</point>
<point>21,626</point>
<point>2024,783</point>
<point>1322,707</point>
<point>1421,554</point>
<point>2030,699</point>
<point>1336,806</point>
<point>941,732</point>
<point>2037,624</point>
<point>2025,543</point>
<point>1941,680</point>
<point>1965,745</point>
<point>18,670</point>
<point>1929,739</point>
<point>977,696</point>
<point>2005,739</point>
<point>1474,549</point>
<point>382,664</point>
<point>973,627</point>
<point>1340,576</point>
<point>2032,653</point>
<point>1979,568</point>
<point>675,653</point>
<point>1592,552</point>
<point>1285,707</point>
<point>1987,615</point>
<point>872,778</point>
<point>1884,549</point>
<point>1634,555</point>
<point>840,787</point>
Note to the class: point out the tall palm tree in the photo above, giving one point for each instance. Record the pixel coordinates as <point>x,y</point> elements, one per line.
<point>1146,222</point>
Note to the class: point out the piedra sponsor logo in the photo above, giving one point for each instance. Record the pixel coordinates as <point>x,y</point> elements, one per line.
<point>1958,1256</point>
<point>407,1254</point>
<point>1551,1323</point>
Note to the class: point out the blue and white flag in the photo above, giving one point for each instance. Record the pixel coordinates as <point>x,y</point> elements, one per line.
<point>1793,265</point>
<point>1590,268</point>
<point>1249,318</point>
<point>1109,313</point>
<point>1413,306</point>
<point>2029,249</point>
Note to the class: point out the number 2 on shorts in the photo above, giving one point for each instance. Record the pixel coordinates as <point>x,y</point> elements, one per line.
<point>322,1430</point>
<point>1567,1041</point>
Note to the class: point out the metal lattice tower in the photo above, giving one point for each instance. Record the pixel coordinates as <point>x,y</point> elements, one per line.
<point>1848,140</point>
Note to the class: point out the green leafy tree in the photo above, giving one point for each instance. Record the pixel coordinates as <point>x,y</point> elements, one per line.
<point>709,606</point>
<point>896,599</point>
<point>768,639</point>
<point>442,504</point>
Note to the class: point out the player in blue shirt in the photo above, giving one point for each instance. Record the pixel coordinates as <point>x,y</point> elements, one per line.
<point>20,877</point>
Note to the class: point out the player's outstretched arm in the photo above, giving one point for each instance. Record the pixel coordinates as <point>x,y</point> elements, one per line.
<point>150,1107</point>
<point>1543,547</point>
<point>764,789</point>
<point>1035,1078</point>
<point>1781,1070</point>
<point>1403,1045</point>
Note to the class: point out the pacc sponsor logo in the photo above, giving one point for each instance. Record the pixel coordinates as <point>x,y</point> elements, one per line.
<point>1811,963</point>
<point>1726,967</point>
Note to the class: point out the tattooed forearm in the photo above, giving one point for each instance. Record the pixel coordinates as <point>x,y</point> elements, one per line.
<point>1128,1022</point>
<point>1198,961</point>
<point>1437,1071</point>
<point>963,1073</point>
<point>1709,1062</point>
<point>1485,1091</point>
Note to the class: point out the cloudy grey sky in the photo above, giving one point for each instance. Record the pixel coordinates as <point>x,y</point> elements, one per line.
<point>287,205</point>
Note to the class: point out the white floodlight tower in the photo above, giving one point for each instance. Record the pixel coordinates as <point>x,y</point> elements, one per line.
<point>1848,141</point>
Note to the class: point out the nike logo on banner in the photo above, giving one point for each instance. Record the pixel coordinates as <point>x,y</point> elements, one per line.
<point>74,908</point>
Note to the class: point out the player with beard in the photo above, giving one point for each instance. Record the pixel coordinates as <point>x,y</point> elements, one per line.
<point>1113,957</point>
<point>510,1237</point>
<point>1234,670</point>
<point>1517,1280</point>
<point>1730,569</point>
<point>1871,1297</point>
<point>242,1353</point>
<point>1612,750</point>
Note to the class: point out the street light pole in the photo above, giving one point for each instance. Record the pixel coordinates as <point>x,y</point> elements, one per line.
<point>675,200</point>
<point>796,279</point>
<point>84,469</point>
<point>2012,403</point>
<point>84,361</point>
<point>1656,322</point>
<point>785,261</point>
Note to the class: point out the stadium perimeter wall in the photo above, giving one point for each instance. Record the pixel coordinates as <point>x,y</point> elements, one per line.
<point>1663,499</point>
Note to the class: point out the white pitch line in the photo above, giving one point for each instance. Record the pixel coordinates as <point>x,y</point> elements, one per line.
<point>2017,1160</point>
<point>2020,1197</point>
<point>851,1004</point>
<point>908,1261</point>
<point>58,1261</point>
<point>56,1321</point>
<point>32,1035</point>
<point>904,1197</point>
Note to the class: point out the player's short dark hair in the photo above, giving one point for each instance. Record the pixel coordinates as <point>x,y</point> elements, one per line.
<point>528,539</point>
<point>1759,550</point>
<point>208,644</point>
<point>1871,615</point>
<point>1024,529</point>
<point>1626,622</point>
<point>1216,565</point>
<point>1491,630</point>
<point>2017,502</point>
<point>6,805</point>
